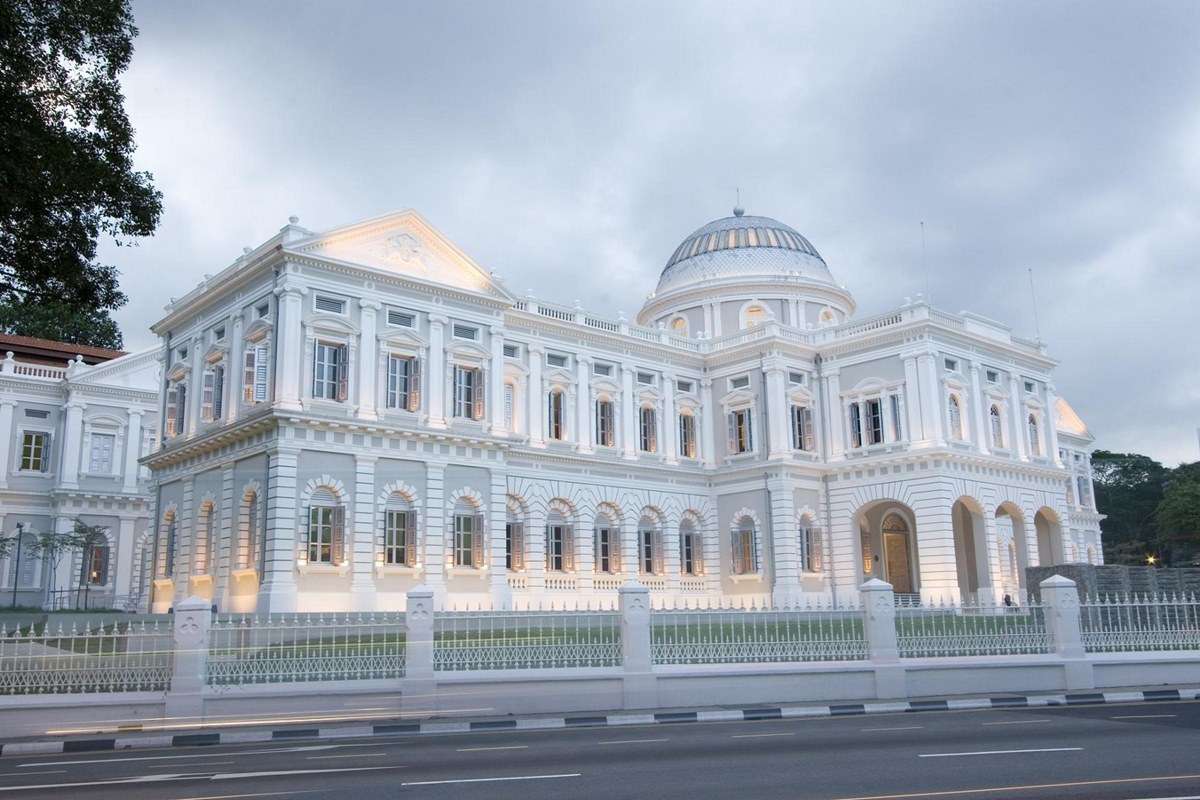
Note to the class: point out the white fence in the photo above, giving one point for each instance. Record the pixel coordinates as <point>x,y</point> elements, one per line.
<point>1130,623</point>
<point>730,636</point>
<point>487,640</point>
<point>49,658</point>
<point>975,629</point>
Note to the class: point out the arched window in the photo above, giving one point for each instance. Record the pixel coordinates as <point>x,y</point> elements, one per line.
<point>560,543</point>
<point>556,427</point>
<point>810,546</point>
<point>745,548</point>
<point>955,412</point>
<point>326,528</point>
<point>755,314</point>
<point>399,532</point>
<point>95,562</point>
<point>469,532</point>
<point>997,427</point>
<point>691,556</point>
<point>649,429</point>
<point>608,544</point>
<point>679,326</point>
<point>649,547</point>
<point>1035,443</point>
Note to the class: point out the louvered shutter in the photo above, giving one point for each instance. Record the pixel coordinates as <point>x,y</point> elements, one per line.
<point>697,553</point>
<point>749,431</point>
<point>336,552</point>
<point>260,373</point>
<point>410,539</point>
<point>218,401</point>
<point>815,550</point>
<point>733,442</point>
<point>414,384</point>
<point>206,395</point>
<point>47,449</point>
<point>753,537</point>
<point>739,562</point>
<point>343,373</point>
<point>568,548</point>
<point>549,551</point>
<point>652,430</point>
<point>477,542</point>
<point>477,384</point>
<point>249,374</point>
<point>172,426</point>
<point>518,546</point>
<point>657,539</point>
<point>614,549</point>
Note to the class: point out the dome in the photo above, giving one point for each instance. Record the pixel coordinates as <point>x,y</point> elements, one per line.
<point>742,247</point>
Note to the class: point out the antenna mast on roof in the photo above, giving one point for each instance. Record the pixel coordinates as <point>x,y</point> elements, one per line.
<point>1037,325</point>
<point>737,209</point>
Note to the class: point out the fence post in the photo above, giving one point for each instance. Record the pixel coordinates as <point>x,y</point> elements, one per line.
<point>639,688</point>
<point>1060,602</point>
<point>879,629</point>
<point>189,665</point>
<point>418,689</point>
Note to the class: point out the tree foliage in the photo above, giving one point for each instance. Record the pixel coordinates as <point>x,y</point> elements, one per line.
<point>1148,508</point>
<point>66,166</point>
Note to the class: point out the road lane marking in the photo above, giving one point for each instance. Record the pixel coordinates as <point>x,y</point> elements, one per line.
<point>491,780</point>
<point>898,728</point>
<point>289,793</point>
<point>499,747</point>
<point>1019,788</point>
<point>758,735</point>
<point>303,749</point>
<point>344,755</point>
<point>1001,752</point>
<point>1143,716</point>
<point>633,741</point>
<point>1018,722</point>
<point>39,772</point>
<point>191,776</point>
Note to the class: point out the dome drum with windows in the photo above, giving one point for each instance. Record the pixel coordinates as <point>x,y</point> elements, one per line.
<point>739,271</point>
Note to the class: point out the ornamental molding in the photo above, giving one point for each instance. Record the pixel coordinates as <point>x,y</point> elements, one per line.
<point>470,495</point>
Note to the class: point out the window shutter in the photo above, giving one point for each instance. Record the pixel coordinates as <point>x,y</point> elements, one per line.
<point>652,428</point>
<point>657,559</point>
<point>414,385</point>
<point>219,392</point>
<point>343,373</point>
<point>614,549</point>
<point>753,536</point>
<point>336,554</point>
<point>477,542</point>
<point>749,430</point>
<point>568,548</point>
<point>815,549</point>
<point>315,372</point>
<point>260,373</point>
<point>477,387</point>
<point>249,374</point>
<point>549,549</point>
<point>172,425</point>
<point>733,443</point>
<point>697,553</point>
<point>518,546</point>
<point>47,449</point>
<point>206,395</point>
<point>739,566</point>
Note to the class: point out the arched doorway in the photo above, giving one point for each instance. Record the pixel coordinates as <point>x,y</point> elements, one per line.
<point>898,554</point>
<point>887,545</point>
<point>1049,537</point>
<point>1010,530</point>
<point>970,547</point>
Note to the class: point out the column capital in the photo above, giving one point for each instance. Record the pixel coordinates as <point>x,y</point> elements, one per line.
<point>497,329</point>
<point>537,348</point>
<point>437,318</point>
<point>136,412</point>
<point>584,359</point>
<point>369,305</point>
<point>290,287</point>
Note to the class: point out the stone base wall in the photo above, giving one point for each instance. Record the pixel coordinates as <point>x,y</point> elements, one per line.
<point>1096,579</point>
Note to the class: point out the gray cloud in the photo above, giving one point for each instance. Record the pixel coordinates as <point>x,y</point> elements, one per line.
<point>572,146</point>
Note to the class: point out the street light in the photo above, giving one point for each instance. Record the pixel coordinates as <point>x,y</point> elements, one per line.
<point>1152,560</point>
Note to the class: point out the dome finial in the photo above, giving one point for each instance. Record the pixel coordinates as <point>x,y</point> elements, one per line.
<point>737,208</point>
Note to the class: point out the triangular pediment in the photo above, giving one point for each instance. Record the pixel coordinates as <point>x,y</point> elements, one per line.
<point>405,244</point>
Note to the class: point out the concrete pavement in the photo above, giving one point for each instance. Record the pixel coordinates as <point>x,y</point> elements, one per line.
<point>1147,750</point>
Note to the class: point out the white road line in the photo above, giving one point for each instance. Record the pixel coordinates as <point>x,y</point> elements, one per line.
<point>499,747</point>
<point>304,749</point>
<point>1144,716</point>
<point>1018,722</point>
<point>898,728</point>
<point>1000,752</point>
<point>289,793</point>
<point>491,780</point>
<point>220,776</point>
<point>633,741</point>
<point>343,755</point>
<point>759,735</point>
<point>23,774</point>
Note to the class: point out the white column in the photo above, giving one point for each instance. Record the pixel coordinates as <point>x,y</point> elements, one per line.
<point>436,371</point>
<point>496,383</point>
<point>72,442</point>
<point>124,556</point>
<point>834,413</point>
<point>930,394</point>
<point>708,320</point>
<point>977,404</point>
<point>885,409</point>
<point>363,533</point>
<point>912,391</point>
<point>628,414</point>
<point>784,550</point>
<point>777,427</point>
<point>368,357</point>
<point>133,446</point>
<point>6,424</point>
<point>289,346</point>
<point>670,423</point>
<point>716,315</point>
<point>1052,423</point>
<point>583,404</point>
<point>708,418</point>
<point>235,368</point>
<point>195,394</point>
<point>534,396</point>
<point>1017,415</point>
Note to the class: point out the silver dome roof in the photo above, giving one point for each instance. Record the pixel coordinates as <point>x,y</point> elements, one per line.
<point>742,246</point>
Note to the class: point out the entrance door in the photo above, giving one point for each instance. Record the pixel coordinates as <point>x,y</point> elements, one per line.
<point>895,546</point>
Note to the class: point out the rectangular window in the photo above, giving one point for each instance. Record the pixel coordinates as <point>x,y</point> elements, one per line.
<point>176,409</point>
<point>333,305</point>
<point>649,430</point>
<point>96,564</point>
<point>555,423</point>
<point>254,374</point>
<point>874,422</point>
<point>103,445</point>
<point>741,434</point>
<point>468,543</point>
<point>605,550</point>
<point>796,378</point>
<point>951,365</point>
<point>330,371</point>
<point>993,376</point>
<point>465,332</point>
<point>742,382</point>
<point>810,549</point>
<point>397,547</point>
<point>745,556</point>
<point>514,546</point>
<point>401,319</point>
<point>602,369</point>
<point>605,423</point>
<point>556,360</point>
<point>403,383</point>
<point>687,435</point>
<point>685,387</point>
<point>35,451</point>
<point>558,548</point>
<point>1029,387</point>
<point>645,378</point>
<point>325,534</point>
<point>511,351</point>
<point>218,333</point>
<point>263,310</point>
<point>802,429</point>
<point>468,393</point>
<point>37,413</point>
<point>897,426</point>
<point>687,554</point>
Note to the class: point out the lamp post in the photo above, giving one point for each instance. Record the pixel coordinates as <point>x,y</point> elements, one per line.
<point>17,570</point>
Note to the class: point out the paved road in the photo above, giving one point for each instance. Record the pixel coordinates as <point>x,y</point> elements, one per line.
<point>1110,752</point>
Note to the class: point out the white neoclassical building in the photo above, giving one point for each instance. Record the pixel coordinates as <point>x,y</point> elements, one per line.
<point>352,413</point>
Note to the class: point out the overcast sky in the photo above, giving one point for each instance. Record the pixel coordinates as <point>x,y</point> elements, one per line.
<point>570,147</point>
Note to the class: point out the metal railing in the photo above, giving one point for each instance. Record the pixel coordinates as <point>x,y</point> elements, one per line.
<point>742,636</point>
<point>490,640</point>
<point>244,649</point>
<point>1128,623</point>
<point>973,629</point>
<point>53,658</point>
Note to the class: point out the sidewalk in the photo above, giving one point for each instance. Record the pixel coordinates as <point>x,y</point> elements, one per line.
<point>150,735</point>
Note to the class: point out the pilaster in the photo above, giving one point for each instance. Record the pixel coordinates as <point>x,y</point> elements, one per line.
<point>226,538</point>
<point>362,584</point>
<point>670,422</point>
<point>1016,415</point>
<point>534,396</point>
<point>583,404</point>
<point>777,429</point>
<point>368,356</point>
<point>235,369</point>
<point>912,392</point>
<point>133,443</point>
<point>435,530</point>
<point>629,421</point>
<point>6,426</point>
<point>436,394</point>
<point>977,405</point>
<point>834,413</point>
<point>277,592</point>
<point>289,344</point>
<point>785,555</point>
<point>496,382</point>
<point>708,418</point>
<point>497,521</point>
<point>72,441</point>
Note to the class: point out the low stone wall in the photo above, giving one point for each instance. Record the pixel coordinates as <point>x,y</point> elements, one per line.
<point>1094,580</point>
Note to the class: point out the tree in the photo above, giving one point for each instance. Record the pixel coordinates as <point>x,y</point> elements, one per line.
<point>1129,487</point>
<point>51,546</point>
<point>1178,517</point>
<point>66,168</point>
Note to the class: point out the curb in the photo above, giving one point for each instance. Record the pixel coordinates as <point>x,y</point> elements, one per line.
<point>616,719</point>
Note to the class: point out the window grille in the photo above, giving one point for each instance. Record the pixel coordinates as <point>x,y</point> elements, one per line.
<point>511,351</point>
<point>331,304</point>
<point>465,332</point>
<point>645,378</point>
<point>685,386</point>
<point>555,360</point>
